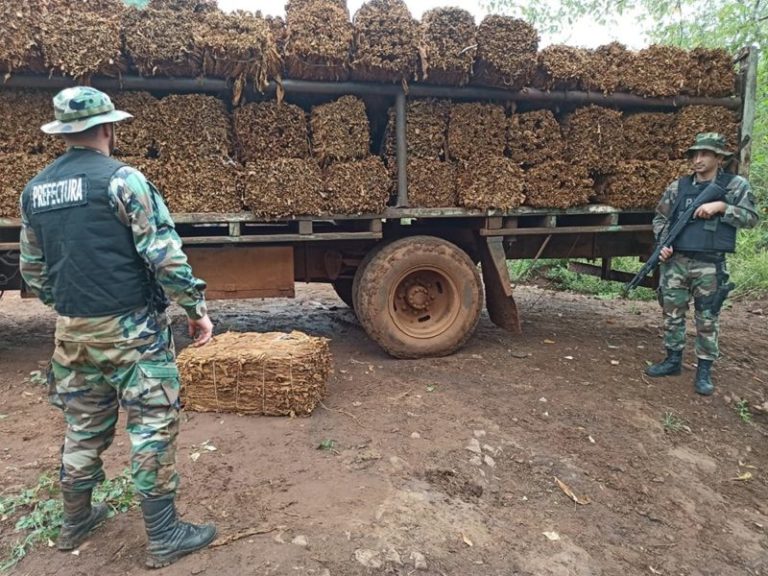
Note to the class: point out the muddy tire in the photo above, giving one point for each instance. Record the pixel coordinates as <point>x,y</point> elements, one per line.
<point>343,289</point>
<point>419,297</point>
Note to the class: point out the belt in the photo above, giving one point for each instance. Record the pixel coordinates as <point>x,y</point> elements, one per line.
<point>709,257</point>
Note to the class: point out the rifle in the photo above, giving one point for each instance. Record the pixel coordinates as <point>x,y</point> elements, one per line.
<point>714,191</point>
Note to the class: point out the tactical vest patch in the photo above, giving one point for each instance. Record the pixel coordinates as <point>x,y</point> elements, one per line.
<point>59,194</point>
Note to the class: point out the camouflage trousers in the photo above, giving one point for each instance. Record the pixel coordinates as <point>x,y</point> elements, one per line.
<point>683,278</point>
<point>88,381</point>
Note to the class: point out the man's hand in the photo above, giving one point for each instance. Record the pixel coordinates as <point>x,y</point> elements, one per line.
<point>201,330</point>
<point>665,253</point>
<point>706,211</point>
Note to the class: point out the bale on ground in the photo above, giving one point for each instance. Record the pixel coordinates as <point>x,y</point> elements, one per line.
<point>561,68</point>
<point>318,41</point>
<point>658,71</point>
<point>238,46</point>
<point>284,187</point>
<point>496,183</point>
<point>594,138</point>
<point>340,130</point>
<point>448,46</point>
<point>607,67</point>
<point>650,136</point>
<point>534,137</point>
<point>16,169</point>
<point>431,183</point>
<point>476,130</point>
<point>692,120</point>
<point>426,129</point>
<point>192,124</point>
<point>639,184</point>
<point>357,187</point>
<point>270,373</point>
<point>136,136</point>
<point>557,184</point>
<point>163,42</point>
<point>21,31</point>
<point>710,73</point>
<point>23,112</point>
<point>506,52</point>
<point>268,130</point>
<point>386,43</point>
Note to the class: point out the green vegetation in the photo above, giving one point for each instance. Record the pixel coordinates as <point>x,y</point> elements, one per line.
<point>38,512</point>
<point>742,409</point>
<point>673,423</point>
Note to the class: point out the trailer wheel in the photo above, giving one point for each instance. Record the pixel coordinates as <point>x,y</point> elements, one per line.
<point>343,288</point>
<point>419,296</point>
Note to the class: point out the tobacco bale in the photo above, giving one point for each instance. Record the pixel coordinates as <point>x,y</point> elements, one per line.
<point>279,32</point>
<point>606,68</point>
<point>163,42</point>
<point>195,183</point>
<point>639,183</point>
<point>426,129</point>
<point>340,130</point>
<point>267,130</point>
<point>476,130</point>
<point>534,137</point>
<point>385,47</point>
<point>594,138</point>
<point>83,39</point>
<point>448,46</point>
<point>710,72</point>
<point>239,46</point>
<point>192,124</point>
<point>23,112</point>
<point>557,184</point>
<point>561,68</point>
<point>358,187</point>
<point>284,187</point>
<point>694,119</point>
<point>21,31</point>
<point>270,373</point>
<point>319,41</point>
<point>292,5</point>
<point>136,136</point>
<point>431,183</point>
<point>197,6</point>
<point>495,183</point>
<point>650,136</point>
<point>506,52</point>
<point>16,169</point>
<point>658,71</point>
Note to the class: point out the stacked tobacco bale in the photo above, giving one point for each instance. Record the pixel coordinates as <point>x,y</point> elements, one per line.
<point>448,46</point>
<point>21,29</point>
<point>271,373</point>
<point>650,136</point>
<point>557,184</point>
<point>318,41</point>
<point>24,148</point>
<point>486,179</point>
<point>606,68</point>
<point>594,138</point>
<point>638,184</point>
<point>270,130</point>
<point>710,73</point>
<point>561,68</point>
<point>694,119</point>
<point>506,52</point>
<point>431,178</point>
<point>354,182</point>
<point>534,137</point>
<point>136,136</point>
<point>657,71</point>
<point>386,42</point>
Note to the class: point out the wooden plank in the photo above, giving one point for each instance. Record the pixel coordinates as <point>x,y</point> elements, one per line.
<point>375,225</point>
<point>280,238</point>
<point>749,95</point>
<point>234,228</point>
<point>566,230</point>
<point>12,246</point>
<point>494,222</point>
<point>305,227</point>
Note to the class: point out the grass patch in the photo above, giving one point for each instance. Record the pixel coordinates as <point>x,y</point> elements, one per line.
<point>742,409</point>
<point>38,512</point>
<point>673,423</point>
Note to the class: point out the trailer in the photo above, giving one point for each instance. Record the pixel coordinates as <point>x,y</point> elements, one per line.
<point>416,278</point>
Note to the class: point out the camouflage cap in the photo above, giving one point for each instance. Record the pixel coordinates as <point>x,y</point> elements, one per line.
<point>712,141</point>
<point>79,108</point>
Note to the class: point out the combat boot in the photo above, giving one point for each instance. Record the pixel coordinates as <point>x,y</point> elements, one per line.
<point>79,518</point>
<point>671,365</point>
<point>703,383</point>
<point>169,538</point>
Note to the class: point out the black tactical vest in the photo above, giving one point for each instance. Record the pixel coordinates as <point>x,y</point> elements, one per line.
<point>701,235</point>
<point>92,263</point>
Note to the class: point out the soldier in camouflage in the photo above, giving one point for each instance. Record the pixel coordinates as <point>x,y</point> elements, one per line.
<point>694,266</point>
<point>99,245</point>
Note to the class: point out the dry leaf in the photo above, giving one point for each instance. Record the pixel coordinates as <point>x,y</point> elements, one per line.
<point>552,535</point>
<point>568,492</point>
<point>467,541</point>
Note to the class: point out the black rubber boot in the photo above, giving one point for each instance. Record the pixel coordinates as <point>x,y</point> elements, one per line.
<point>79,518</point>
<point>169,538</point>
<point>703,383</point>
<point>672,365</point>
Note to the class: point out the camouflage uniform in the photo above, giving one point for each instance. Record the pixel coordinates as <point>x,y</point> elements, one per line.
<point>127,359</point>
<point>683,277</point>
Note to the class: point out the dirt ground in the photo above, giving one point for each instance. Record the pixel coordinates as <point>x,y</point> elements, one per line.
<point>447,465</point>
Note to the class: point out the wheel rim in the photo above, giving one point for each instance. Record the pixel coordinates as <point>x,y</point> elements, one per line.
<point>424,302</point>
